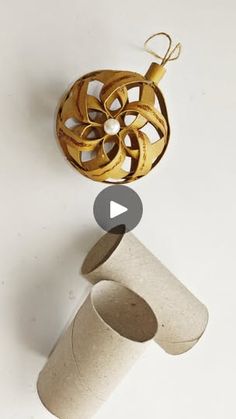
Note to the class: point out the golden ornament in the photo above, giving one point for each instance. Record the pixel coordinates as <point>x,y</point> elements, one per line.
<point>106,136</point>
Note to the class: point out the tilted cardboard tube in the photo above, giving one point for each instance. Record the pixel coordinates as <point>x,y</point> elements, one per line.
<point>181,317</point>
<point>108,334</point>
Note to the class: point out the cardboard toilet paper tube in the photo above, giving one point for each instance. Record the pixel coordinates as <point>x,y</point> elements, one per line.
<point>108,334</point>
<point>181,317</point>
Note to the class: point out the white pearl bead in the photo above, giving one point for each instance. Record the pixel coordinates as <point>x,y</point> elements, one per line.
<point>111,126</point>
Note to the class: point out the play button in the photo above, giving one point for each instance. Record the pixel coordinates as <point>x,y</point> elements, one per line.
<point>116,206</point>
<point>116,209</point>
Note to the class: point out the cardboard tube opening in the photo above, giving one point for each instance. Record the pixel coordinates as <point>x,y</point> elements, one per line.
<point>101,251</point>
<point>122,258</point>
<point>110,331</point>
<point>124,311</point>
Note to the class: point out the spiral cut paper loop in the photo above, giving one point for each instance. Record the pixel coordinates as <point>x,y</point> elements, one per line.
<point>127,155</point>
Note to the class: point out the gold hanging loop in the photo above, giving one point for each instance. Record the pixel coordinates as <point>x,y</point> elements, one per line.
<point>156,70</point>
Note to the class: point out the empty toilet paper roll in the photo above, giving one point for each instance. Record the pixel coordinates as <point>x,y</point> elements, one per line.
<point>182,318</point>
<point>108,334</point>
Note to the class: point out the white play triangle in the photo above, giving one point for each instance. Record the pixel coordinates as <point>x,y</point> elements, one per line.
<point>116,209</point>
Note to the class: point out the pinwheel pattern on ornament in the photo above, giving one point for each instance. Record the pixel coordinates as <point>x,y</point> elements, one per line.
<point>113,126</point>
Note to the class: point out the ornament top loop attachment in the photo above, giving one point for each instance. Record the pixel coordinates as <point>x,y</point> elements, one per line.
<point>171,54</point>
<point>156,70</point>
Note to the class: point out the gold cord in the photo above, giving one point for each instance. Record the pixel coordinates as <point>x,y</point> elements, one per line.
<point>171,53</point>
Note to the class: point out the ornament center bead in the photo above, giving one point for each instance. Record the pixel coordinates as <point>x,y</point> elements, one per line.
<point>111,126</point>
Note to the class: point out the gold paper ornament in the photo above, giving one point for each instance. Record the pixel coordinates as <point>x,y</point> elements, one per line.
<point>107,136</point>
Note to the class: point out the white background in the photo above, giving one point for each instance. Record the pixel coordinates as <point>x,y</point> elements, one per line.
<point>46,220</point>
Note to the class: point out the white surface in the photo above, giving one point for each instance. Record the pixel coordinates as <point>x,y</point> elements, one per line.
<point>46,220</point>
<point>116,209</point>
